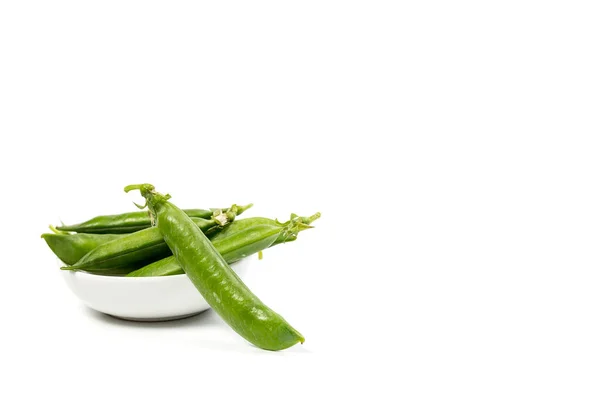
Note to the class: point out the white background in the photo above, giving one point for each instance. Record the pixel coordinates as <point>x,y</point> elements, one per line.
<point>452,148</point>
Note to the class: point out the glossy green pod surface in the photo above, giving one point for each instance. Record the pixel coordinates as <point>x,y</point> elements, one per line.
<point>239,239</point>
<point>134,250</point>
<point>71,248</point>
<point>220,286</point>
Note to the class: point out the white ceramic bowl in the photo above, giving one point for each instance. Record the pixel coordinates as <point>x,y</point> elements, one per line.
<point>160,298</point>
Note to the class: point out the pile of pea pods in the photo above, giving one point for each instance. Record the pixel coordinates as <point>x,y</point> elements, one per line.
<point>128,245</point>
<point>201,243</point>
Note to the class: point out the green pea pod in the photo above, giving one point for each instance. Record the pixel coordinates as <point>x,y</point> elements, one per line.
<point>137,249</point>
<point>130,222</point>
<point>71,248</point>
<point>240,239</point>
<point>222,289</point>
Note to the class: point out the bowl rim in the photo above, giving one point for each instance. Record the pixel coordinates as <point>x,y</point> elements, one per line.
<point>131,278</point>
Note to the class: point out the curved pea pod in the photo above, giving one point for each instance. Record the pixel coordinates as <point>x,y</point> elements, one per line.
<point>137,249</point>
<point>240,239</point>
<point>222,289</point>
<point>71,248</point>
<point>132,222</point>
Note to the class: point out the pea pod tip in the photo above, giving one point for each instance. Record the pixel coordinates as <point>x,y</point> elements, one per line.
<point>241,209</point>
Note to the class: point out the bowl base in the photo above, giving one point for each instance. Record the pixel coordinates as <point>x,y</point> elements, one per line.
<point>163,319</point>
